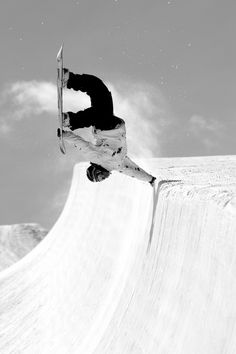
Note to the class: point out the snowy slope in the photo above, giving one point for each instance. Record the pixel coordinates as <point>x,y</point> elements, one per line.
<point>100,282</point>
<point>17,240</point>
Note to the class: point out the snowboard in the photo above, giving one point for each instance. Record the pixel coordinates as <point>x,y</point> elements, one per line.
<point>60,99</point>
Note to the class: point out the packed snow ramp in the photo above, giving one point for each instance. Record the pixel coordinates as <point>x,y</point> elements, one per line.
<point>126,271</point>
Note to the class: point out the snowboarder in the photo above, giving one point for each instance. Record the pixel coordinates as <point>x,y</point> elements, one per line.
<point>110,150</point>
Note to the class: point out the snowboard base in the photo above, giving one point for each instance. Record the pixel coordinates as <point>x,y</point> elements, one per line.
<point>60,99</point>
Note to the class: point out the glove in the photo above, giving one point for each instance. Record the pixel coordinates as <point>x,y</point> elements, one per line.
<point>59,132</point>
<point>152,182</point>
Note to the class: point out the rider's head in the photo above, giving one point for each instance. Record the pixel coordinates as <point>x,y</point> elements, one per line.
<point>97,173</point>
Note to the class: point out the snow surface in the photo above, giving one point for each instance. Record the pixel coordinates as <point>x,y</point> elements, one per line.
<point>17,240</point>
<point>105,281</point>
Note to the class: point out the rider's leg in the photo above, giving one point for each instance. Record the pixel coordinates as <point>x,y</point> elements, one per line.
<point>101,100</point>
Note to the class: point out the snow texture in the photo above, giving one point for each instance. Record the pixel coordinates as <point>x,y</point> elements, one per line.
<point>18,240</point>
<point>121,274</point>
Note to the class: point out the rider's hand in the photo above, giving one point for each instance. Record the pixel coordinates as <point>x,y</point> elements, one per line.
<point>58,132</point>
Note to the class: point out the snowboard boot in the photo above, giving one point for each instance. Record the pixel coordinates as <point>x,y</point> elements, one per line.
<point>152,182</point>
<point>65,79</point>
<point>66,120</point>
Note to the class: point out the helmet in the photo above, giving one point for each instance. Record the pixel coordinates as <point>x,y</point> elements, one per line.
<point>97,173</point>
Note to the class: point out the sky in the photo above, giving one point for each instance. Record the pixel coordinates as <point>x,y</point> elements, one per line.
<point>170,65</point>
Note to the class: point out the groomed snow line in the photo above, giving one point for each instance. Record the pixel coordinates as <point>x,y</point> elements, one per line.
<point>124,271</point>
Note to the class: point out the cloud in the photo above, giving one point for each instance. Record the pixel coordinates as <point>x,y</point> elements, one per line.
<point>146,113</point>
<point>26,99</point>
<point>208,131</point>
<point>4,128</point>
<point>198,123</point>
<point>33,98</point>
<point>143,107</point>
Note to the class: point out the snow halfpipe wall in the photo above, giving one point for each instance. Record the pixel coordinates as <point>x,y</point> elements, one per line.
<point>124,272</point>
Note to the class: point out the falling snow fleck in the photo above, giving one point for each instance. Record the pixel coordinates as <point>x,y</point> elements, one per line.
<point>162,80</point>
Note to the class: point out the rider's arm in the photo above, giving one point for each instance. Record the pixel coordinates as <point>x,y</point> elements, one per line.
<point>76,140</point>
